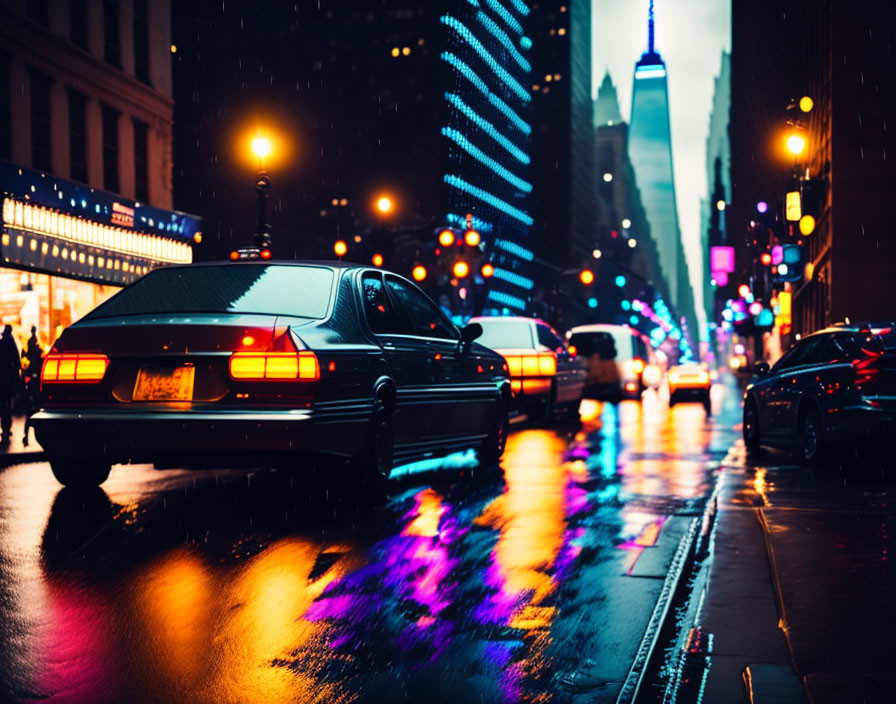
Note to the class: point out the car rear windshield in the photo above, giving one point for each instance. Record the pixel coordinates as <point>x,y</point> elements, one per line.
<point>302,291</point>
<point>506,334</point>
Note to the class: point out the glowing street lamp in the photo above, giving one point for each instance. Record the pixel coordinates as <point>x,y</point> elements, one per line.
<point>385,205</point>
<point>487,270</point>
<point>471,237</point>
<point>419,272</point>
<point>377,259</point>
<point>340,248</point>
<point>261,148</point>
<point>806,103</point>
<point>461,269</point>
<point>796,144</point>
<point>586,276</point>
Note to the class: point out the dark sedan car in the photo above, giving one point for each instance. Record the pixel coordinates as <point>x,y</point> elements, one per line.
<point>251,363</point>
<point>835,389</point>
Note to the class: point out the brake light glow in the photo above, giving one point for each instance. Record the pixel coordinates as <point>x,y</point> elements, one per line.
<point>274,366</point>
<point>88,368</point>
<point>532,365</point>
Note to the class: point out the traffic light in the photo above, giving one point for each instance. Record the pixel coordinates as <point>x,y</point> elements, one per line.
<point>461,269</point>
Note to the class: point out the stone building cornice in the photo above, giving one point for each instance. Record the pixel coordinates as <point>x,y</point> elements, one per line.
<point>77,69</point>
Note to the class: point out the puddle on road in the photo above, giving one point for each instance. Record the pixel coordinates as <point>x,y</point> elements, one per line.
<point>230,587</point>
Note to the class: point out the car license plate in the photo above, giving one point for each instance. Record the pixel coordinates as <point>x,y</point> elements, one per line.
<point>164,384</point>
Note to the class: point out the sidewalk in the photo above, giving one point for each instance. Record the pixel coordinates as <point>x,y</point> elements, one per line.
<point>800,600</point>
<point>16,452</point>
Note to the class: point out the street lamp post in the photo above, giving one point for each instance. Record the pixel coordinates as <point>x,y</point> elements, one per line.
<point>261,147</point>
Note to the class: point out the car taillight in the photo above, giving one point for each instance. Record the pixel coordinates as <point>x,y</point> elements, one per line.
<point>867,369</point>
<point>532,365</point>
<point>703,378</point>
<point>637,365</point>
<point>80,368</point>
<point>573,351</point>
<point>274,366</point>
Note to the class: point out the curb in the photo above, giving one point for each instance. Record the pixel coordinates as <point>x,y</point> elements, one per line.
<point>22,458</point>
<point>682,561</point>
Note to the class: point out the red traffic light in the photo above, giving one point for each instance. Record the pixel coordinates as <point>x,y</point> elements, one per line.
<point>377,260</point>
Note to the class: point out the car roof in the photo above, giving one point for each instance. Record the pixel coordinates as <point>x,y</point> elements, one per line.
<point>601,327</point>
<point>517,318</point>
<point>279,262</point>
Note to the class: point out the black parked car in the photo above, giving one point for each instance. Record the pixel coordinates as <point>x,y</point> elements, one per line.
<point>835,389</point>
<point>251,363</point>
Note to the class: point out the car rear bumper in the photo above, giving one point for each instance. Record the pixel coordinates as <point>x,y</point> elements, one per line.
<point>198,438</point>
<point>695,392</point>
<point>609,391</point>
<point>861,422</point>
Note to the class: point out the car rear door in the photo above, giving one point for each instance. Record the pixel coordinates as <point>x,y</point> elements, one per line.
<point>570,377</point>
<point>407,357</point>
<point>783,388</point>
<point>459,402</point>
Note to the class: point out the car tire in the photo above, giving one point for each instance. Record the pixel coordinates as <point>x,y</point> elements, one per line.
<point>80,473</point>
<point>752,438</point>
<point>812,445</point>
<point>493,447</point>
<point>374,462</point>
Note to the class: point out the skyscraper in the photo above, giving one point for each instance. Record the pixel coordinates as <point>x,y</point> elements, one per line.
<point>564,201</point>
<point>606,107</point>
<point>650,149</point>
<point>718,182</point>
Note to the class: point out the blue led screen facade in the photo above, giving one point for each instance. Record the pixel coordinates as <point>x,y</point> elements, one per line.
<point>486,133</point>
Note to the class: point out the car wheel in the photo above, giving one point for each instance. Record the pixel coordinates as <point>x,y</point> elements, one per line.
<point>80,473</point>
<point>493,447</point>
<point>751,426</point>
<point>811,436</point>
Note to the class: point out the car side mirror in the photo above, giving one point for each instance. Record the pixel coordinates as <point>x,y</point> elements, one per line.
<point>761,368</point>
<point>468,333</point>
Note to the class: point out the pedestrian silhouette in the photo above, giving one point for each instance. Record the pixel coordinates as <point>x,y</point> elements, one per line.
<point>35,357</point>
<point>10,375</point>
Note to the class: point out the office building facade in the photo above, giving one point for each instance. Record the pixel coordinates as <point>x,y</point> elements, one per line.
<point>85,156</point>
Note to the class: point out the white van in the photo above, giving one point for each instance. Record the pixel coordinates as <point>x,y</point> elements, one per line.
<point>617,356</point>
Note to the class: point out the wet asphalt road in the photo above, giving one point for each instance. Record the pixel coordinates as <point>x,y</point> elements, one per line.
<point>529,582</point>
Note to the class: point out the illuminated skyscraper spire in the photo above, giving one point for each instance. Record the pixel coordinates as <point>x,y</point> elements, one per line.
<point>650,29</point>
